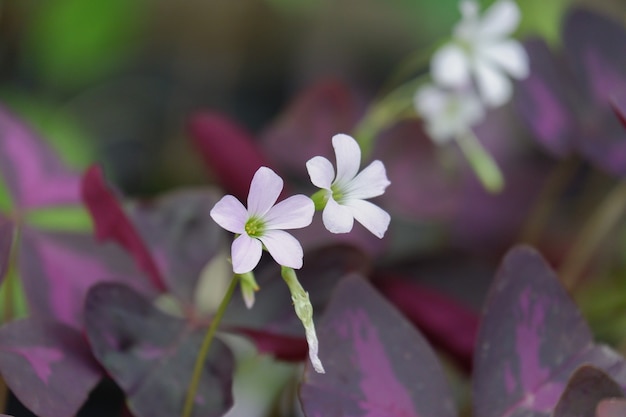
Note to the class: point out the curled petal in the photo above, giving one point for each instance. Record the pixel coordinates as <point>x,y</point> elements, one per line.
<point>510,55</point>
<point>245,253</point>
<point>450,67</point>
<point>371,182</point>
<point>372,217</point>
<point>264,191</point>
<point>348,154</point>
<point>500,19</point>
<point>230,214</point>
<point>284,248</point>
<point>292,213</point>
<point>337,218</point>
<point>321,172</point>
<point>494,87</point>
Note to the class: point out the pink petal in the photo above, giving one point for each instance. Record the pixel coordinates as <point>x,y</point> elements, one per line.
<point>348,156</point>
<point>264,191</point>
<point>230,214</point>
<point>371,182</point>
<point>337,218</point>
<point>284,248</point>
<point>292,213</point>
<point>246,253</point>
<point>321,172</point>
<point>372,217</point>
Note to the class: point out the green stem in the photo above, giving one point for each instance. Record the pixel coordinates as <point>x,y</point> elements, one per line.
<point>601,223</point>
<point>204,349</point>
<point>481,162</point>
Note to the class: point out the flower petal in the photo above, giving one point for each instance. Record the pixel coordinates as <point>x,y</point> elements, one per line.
<point>371,182</point>
<point>284,248</point>
<point>264,191</point>
<point>510,55</point>
<point>348,154</point>
<point>292,213</point>
<point>246,253</point>
<point>449,66</point>
<point>230,214</point>
<point>430,101</point>
<point>321,172</point>
<point>372,217</point>
<point>337,218</point>
<point>494,87</point>
<point>500,19</point>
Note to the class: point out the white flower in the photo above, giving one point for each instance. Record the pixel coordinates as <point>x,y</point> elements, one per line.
<point>262,222</point>
<point>346,193</point>
<point>482,49</point>
<point>448,113</point>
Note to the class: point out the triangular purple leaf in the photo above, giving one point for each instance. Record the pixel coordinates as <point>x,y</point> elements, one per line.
<point>584,391</point>
<point>6,242</point>
<point>532,337</point>
<point>181,235</point>
<point>614,407</point>
<point>151,354</point>
<point>33,173</point>
<point>377,364</point>
<point>48,366</point>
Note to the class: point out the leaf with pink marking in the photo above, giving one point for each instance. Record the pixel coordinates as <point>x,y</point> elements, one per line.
<point>530,341</point>
<point>377,364</point>
<point>48,366</point>
<point>584,391</point>
<point>6,242</point>
<point>32,172</point>
<point>614,407</point>
<point>151,355</point>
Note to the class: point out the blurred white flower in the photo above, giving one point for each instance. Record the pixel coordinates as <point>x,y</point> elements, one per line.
<point>447,114</point>
<point>345,194</point>
<point>482,50</point>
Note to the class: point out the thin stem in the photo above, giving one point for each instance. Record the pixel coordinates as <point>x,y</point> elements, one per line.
<point>204,349</point>
<point>481,161</point>
<point>601,223</point>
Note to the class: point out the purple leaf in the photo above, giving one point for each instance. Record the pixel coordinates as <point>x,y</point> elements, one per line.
<point>532,337</point>
<point>112,223</point>
<point>618,104</point>
<point>181,236</point>
<point>48,366</point>
<point>58,269</point>
<point>229,151</point>
<point>615,407</point>
<point>6,242</point>
<point>151,354</point>
<point>585,389</point>
<point>377,364</point>
<point>32,172</point>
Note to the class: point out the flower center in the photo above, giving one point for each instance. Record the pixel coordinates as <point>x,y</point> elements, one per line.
<point>338,193</point>
<point>255,227</point>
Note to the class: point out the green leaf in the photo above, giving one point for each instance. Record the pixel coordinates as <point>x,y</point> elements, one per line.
<point>6,202</point>
<point>69,219</point>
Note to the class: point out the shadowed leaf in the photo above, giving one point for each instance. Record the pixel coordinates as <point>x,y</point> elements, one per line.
<point>151,355</point>
<point>48,366</point>
<point>377,364</point>
<point>532,337</point>
<point>585,389</point>
<point>6,242</point>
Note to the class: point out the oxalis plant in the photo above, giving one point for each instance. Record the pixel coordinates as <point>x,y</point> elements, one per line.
<point>334,315</point>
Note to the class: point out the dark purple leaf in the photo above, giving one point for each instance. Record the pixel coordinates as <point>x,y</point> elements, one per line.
<point>446,323</point>
<point>618,104</point>
<point>585,389</point>
<point>33,173</point>
<point>181,236</point>
<point>615,407</point>
<point>57,270</point>
<point>377,364</point>
<point>151,355</point>
<point>48,366</point>
<point>308,124</point>
<point>112,223</point>
<point>6,242</point>
<point>532,337</point>
<point>229,152</point>
<point>546,101</point>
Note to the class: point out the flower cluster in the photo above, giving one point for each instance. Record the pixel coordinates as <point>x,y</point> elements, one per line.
<point>261,226</point>
<point>471,72</point>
